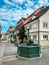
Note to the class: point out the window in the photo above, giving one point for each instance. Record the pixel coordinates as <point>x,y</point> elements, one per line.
<point>45,37</point>
<point>34,25</point>
<point>45,24</point>
<point>34,37</point>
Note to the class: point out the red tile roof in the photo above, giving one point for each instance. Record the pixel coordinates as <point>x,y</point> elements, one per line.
<point>33,14</point>
<point>22,19</point>
<point>27,20</point>
<point>37,11</point>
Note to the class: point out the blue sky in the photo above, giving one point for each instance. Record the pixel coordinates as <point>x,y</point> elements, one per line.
<point>12,10</point>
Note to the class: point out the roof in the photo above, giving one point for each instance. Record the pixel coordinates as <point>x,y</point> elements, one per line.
<point>27,20</point>
<point>33,14</point>
<point>42,12</point>
<point>21,20</point>
<point>39,12</point>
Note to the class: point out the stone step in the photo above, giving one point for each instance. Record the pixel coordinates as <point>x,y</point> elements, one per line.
<point>8,58</point>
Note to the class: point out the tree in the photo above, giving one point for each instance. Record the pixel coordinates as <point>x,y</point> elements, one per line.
<point>22,33</point>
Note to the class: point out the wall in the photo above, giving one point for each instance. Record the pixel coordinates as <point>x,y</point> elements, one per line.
<point>45,18</point>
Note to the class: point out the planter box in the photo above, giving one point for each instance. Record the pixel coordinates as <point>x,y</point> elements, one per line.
<point>29,51</point>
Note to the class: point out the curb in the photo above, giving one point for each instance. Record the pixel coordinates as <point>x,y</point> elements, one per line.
<point>8,58</point>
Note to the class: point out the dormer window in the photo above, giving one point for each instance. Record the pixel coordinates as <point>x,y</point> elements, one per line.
<point>33,17</point>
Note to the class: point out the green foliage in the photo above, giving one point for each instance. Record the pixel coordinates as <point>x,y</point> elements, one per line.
<point>22,33</point>
<point>29,42</point>
<point>14,36</point>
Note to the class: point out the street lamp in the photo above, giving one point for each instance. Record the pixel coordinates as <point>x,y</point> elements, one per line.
<point>28,32</point>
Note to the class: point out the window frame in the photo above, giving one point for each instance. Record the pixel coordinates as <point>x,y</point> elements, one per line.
<point>45,37</point>
<point>45,24</point>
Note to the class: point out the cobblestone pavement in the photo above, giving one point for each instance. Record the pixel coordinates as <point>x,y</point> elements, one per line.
<point>44,60</point>
<point>10,49</point>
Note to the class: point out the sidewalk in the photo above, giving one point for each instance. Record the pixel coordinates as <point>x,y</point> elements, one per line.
<point>2,47</point>
<point>7,51</point>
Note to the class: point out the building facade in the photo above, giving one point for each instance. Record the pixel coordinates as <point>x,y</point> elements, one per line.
<point>39,27</point>
<point>10,32</point>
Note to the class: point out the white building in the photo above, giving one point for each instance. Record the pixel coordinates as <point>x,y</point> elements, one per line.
<point>39,27</point>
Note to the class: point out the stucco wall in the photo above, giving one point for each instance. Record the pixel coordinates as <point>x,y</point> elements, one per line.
<point>33,29</point>
<point>44,18</point>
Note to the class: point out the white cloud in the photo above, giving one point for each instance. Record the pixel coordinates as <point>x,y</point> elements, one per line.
<point>36,6</point>
<point>8,2</point>
<point>28,11</point>
<point>3,23</point>
<point>43,2</point>
<point>29,3</point>
<point>14,1</point>
<point>14,14</point>
<point>20,1</point>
